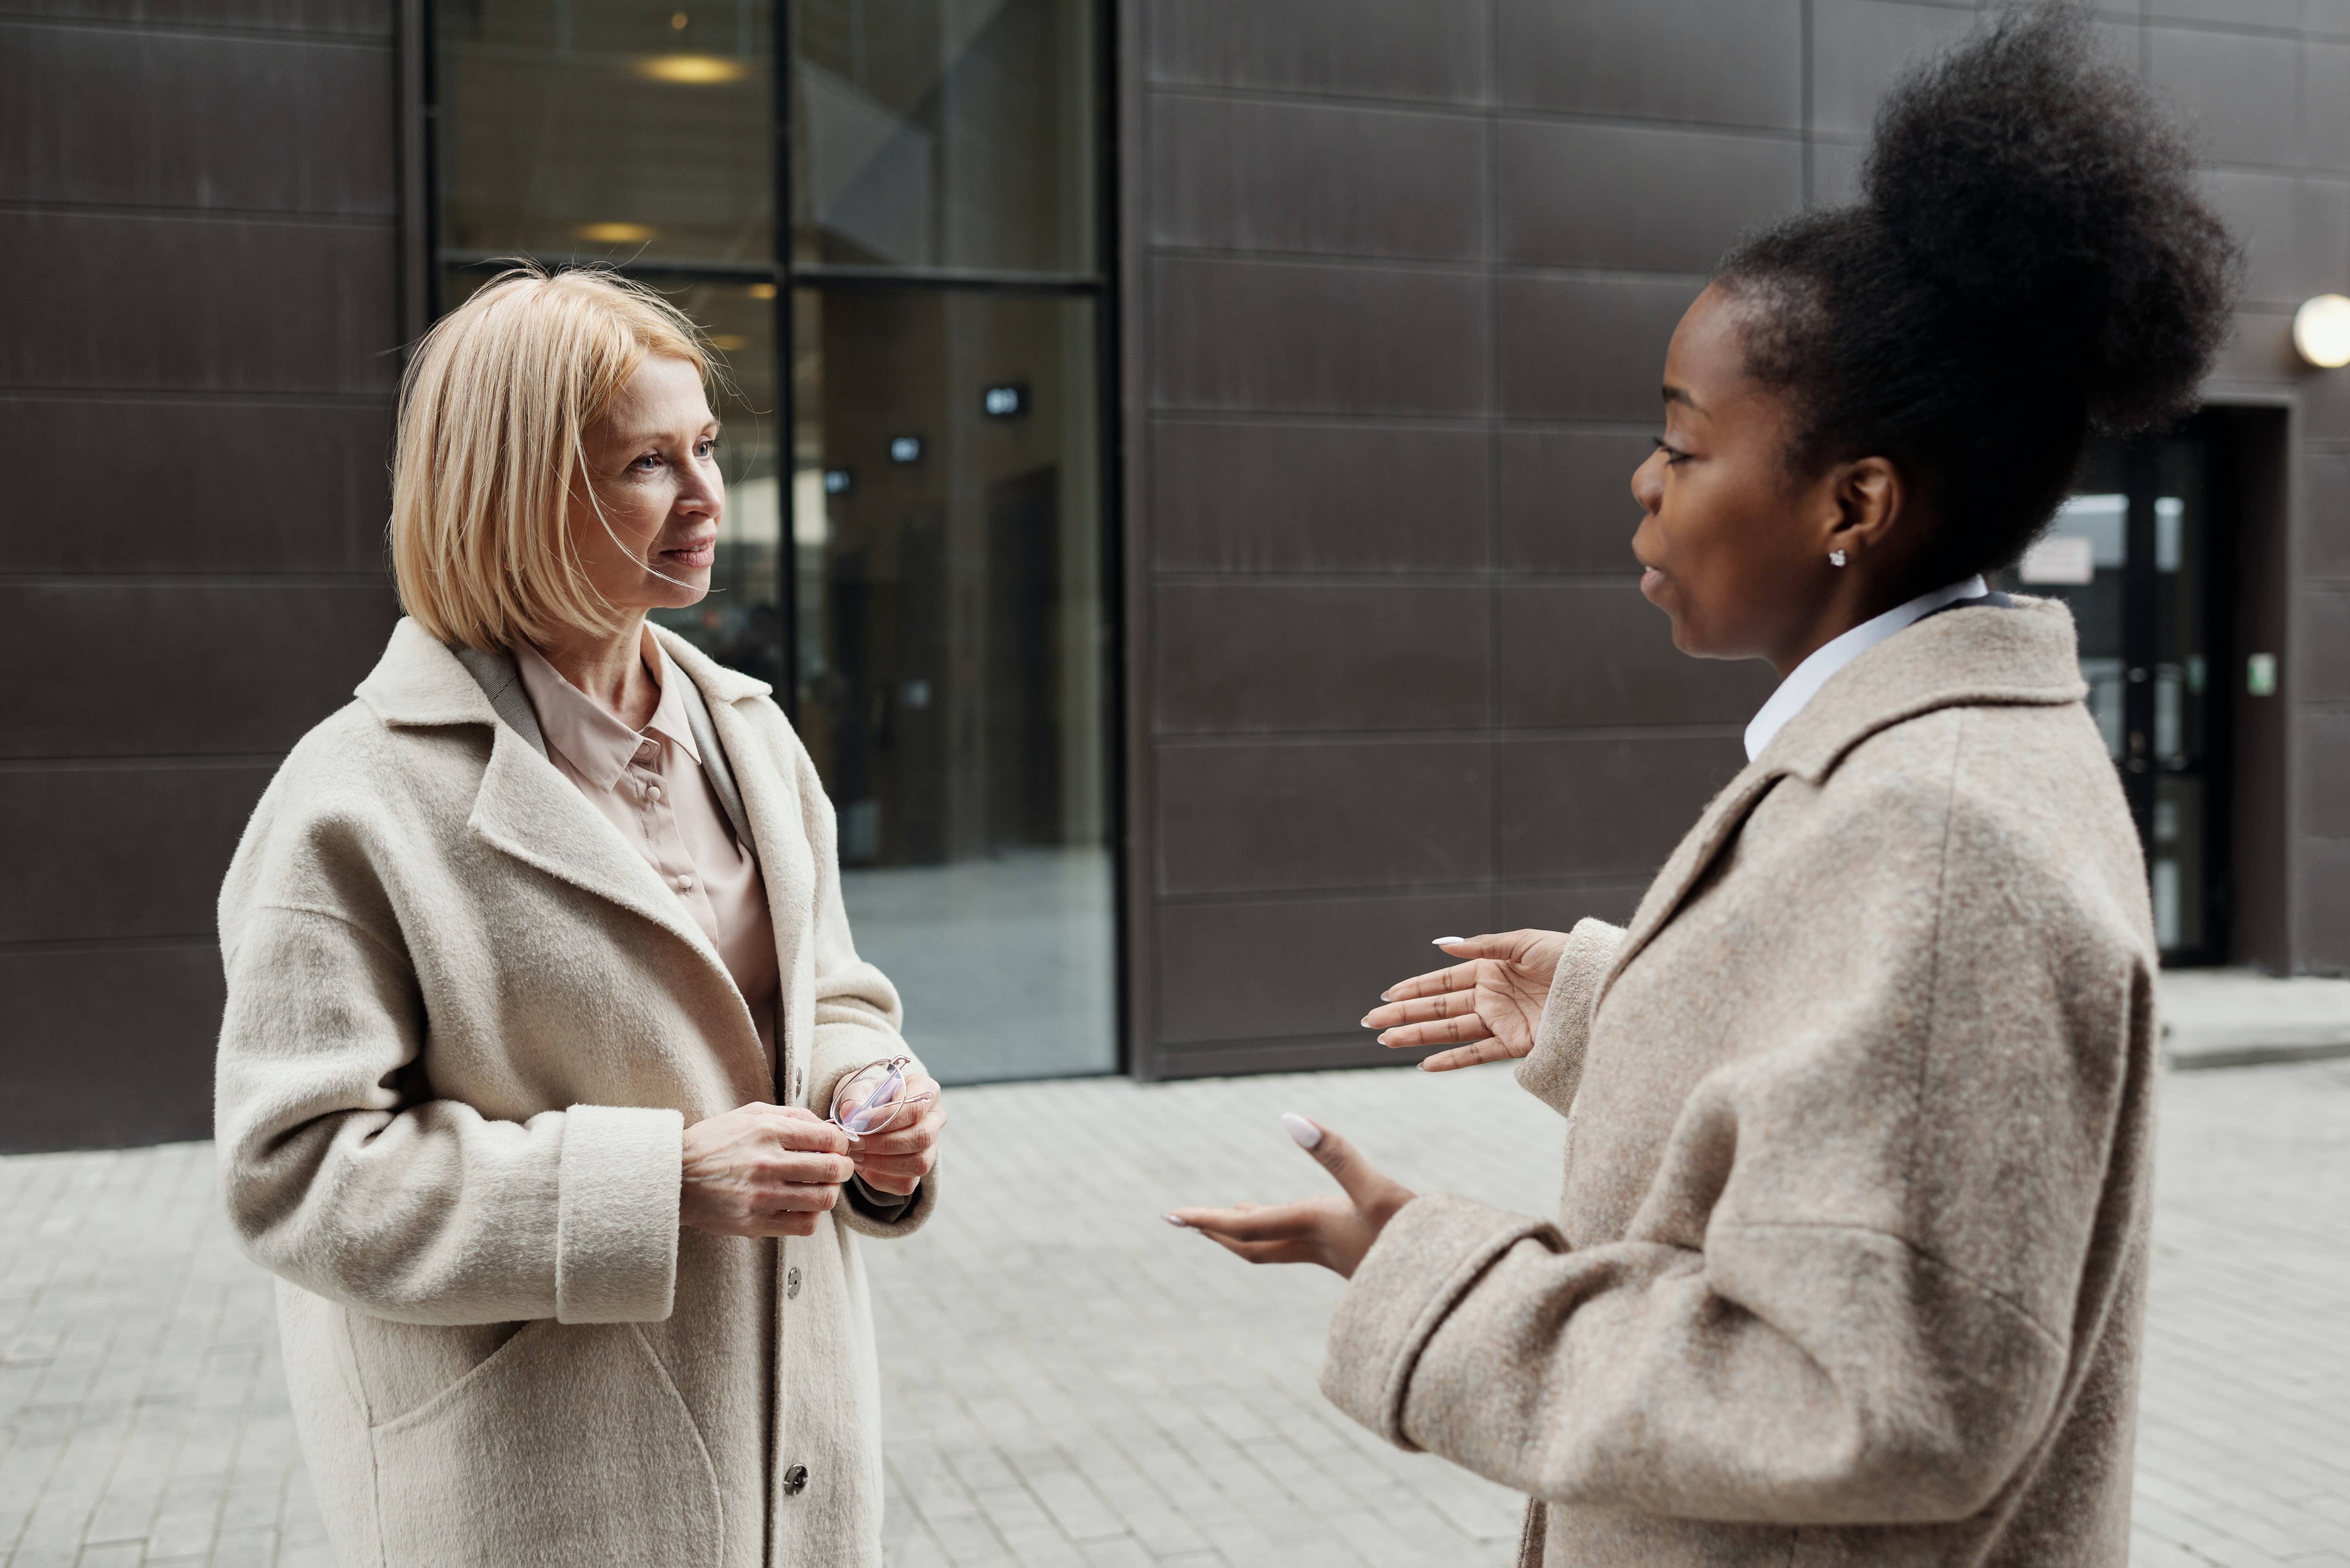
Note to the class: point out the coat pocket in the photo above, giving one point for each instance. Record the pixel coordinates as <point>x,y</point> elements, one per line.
<point>569,1445</point>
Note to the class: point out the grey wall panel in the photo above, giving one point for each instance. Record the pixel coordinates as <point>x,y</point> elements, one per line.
<point>2326,105</point>
<point>2325,792</point>
<point>110,852</point>
<point>211,486</point>
<point>1328,497</point>
<point>1836,172</point>
<point>1557,907</point>
<point>1308,339</point>
<point>1243,818</point>
<point>200,667</point>
<point>1739,64</point>
<point>1231,174</point>
<point>1563,499</point>
<point>2260,350</point>
<point>1292,967</point>
<point>1580,806</point>
<point>2322,671</point>
<point>1586,348</point>
<point>1594,653</point>
<point>355,18</point>
<point>1372,49</point>
<point>2325,516</point>
<point>2325,395</point>
<point>197,304</point>
<point>2238,13</point>
<point>1237,658</point>
<point>2240,91</point>
<point>1861,47</point>
<point>102,115</point>
<point>2296,232</point>
<point>109,1046</point>
<point>2325,945</point>
<point>1628,196</point>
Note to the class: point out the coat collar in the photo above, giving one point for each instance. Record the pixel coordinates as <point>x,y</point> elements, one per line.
<point>2026,655</point>
<point>419,681</point>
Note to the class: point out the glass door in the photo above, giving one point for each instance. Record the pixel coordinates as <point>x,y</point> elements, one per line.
<point>2131,553</point>
<point>888,214</point>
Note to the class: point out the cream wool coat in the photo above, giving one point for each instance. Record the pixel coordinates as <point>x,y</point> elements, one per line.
<point>1849,1263</point>
<point>467,1024</point>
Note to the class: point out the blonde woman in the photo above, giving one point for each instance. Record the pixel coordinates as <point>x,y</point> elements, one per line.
<point>539,992</point>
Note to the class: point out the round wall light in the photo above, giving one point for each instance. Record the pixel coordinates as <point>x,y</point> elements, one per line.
<point>2321,331</point>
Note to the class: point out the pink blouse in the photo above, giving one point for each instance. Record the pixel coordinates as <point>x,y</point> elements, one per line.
<point>651,787</point>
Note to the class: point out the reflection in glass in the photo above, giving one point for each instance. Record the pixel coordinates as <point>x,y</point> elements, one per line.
<point>741,622</point>
<point>943,134</point>
<point>596,129</point>
<point>952,662</point>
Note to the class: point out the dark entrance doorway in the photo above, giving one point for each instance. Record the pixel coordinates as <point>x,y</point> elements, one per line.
<point>2138,552</point>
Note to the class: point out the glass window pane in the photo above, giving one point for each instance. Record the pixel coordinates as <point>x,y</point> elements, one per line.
<point>741,622</point>
<point>943,134</point>
<point>596,129</point>
<point>947,525</point>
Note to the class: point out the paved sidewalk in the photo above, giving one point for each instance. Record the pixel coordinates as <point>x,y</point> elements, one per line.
<point>1070,1382</point>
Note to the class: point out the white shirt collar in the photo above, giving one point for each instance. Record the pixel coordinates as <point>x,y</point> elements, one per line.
<point>1804,683</point>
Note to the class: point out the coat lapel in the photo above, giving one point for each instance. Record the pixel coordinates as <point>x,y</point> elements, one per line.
<point>767,787</point>
<point>1716,827</point>
<point>2026,653</point>
<point>524,807</point>
<point>530,810</point>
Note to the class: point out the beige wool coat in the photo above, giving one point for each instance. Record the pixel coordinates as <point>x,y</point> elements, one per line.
<point>467,1024</point>
<point>1849,1263</point>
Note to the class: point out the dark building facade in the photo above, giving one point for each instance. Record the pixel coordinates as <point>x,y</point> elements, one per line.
<point>1178,455</point>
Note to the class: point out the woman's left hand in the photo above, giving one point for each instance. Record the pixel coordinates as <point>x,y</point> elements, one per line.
<point>896,1161</point>
<point>1329,1230</point>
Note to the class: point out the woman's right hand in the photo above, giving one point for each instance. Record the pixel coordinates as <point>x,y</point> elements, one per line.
<point>762,1171</point>
<point>1487,1009</point>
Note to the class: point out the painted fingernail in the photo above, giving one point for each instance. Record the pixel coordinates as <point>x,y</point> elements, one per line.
<point>1304,1133</point>
<point>1388,995</point>
<point>1449,941</point>
<point>1179,1224</point>
<point>1383,1036</point>
<point>1367,1021</point>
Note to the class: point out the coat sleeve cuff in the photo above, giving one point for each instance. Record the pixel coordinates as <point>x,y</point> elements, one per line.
<point>883,1215</point>
<point>616,1229</point>
<point>1424,1261</point>
<point>1553,1068</point>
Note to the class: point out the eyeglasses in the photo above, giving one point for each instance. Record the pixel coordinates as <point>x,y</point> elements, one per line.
<point>875,1100</point>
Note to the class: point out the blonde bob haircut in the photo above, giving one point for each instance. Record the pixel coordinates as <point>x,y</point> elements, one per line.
<point>492,414</point>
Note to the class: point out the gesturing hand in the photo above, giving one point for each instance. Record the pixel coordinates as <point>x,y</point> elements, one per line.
<point>762,1171</point>
<point>1328,1230</point>
<point>1486,1009</point>
<point>895,1160</point>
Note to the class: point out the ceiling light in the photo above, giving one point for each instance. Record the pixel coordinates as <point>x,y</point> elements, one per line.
<point>616,234</point>
<point>693,70</point>
<point>2321,331</point>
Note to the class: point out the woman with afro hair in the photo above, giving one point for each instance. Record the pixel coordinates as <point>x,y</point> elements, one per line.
<point>1849,1267</point>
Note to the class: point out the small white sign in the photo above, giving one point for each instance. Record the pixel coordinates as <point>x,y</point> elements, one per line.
<point>2060,558</point>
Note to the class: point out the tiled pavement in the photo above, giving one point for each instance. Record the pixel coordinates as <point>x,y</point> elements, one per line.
<point>1070,1382</point>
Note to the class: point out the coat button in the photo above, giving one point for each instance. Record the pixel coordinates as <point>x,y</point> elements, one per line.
<point>794,1479</point>
<point>791,1283</point>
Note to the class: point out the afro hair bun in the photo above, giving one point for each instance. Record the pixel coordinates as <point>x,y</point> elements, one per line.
<point>2031,262</point>
<point>2042,184</point>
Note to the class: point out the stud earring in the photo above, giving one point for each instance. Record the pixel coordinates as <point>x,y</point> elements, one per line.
<point>1835,557</point>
